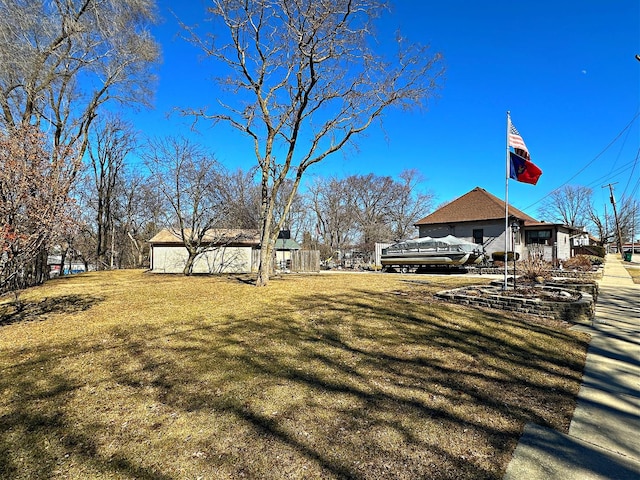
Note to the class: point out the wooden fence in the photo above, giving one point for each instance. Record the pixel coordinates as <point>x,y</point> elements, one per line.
<point>298,261</point>
<point>305,261</point>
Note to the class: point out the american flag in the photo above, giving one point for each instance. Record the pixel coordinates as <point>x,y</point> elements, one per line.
<point>516,141</point>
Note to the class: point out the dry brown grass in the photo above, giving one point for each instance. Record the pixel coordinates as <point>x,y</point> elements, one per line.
<point>635,273</point>
<point>125,375</point>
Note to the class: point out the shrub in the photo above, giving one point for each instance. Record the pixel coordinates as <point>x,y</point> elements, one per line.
<point>535,266</point>
<point>596,260</point>
<point>595,250</point>
<point>582,262</point>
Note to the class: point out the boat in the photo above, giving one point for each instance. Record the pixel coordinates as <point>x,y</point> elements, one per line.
<point>427,251</point>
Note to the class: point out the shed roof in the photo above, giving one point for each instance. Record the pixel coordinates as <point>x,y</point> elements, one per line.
<point>476,205</point>
<point>286,244</point>
<point>231,236</point>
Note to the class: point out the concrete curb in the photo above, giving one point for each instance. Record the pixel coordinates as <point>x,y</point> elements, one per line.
<point>543,453</point>
<point>603,440</point>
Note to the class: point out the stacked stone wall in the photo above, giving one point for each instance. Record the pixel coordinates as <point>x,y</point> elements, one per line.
<point>578,311</point>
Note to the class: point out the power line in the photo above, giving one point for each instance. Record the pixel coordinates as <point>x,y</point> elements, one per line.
<point>624,141</point>
<point>631,174</point>
<point>614,173</point>
<point>591,161</point>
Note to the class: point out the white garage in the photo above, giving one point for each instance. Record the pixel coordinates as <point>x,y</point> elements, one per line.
<point>227,251</point>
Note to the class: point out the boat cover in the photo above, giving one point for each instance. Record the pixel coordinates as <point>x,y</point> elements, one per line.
<point>425,244</point>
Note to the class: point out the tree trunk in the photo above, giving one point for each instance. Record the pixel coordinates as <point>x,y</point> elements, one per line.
<point>63,259</point>
<point>137,250</point>
<point>266,243</point>
<point>264,268</point>
<point>39,270</point>
<point>188,267</point>
<point>100,235</point>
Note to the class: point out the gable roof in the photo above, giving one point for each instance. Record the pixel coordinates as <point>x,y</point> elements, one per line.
<point>476,205</point>
<point>286,244</point>
<point>231,236</point>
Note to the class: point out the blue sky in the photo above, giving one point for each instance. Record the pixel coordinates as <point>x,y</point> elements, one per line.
<point>564,69</point>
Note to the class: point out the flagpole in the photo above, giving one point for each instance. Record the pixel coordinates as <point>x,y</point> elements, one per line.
<point>506,202</point>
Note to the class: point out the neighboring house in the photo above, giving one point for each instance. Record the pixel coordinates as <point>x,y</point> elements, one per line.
<point>70,266</point>
<point>228,251</point>
<point>479,217</point>
<point>556,241</point>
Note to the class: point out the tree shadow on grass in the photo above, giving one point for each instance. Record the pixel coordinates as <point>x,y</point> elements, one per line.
<point>355,388</point>
<point>361,384</point>
<point>26,311</point>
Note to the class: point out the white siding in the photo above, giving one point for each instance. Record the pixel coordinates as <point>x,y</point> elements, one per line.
<point>378,253</point>
<point>172,259</point>
<point>564,245</point>
<point>283,257</point>
<point>548,252</point>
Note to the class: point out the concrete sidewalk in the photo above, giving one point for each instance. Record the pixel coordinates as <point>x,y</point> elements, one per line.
<point>604,436</point>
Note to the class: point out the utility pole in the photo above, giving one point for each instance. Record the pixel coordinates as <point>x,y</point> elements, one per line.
<point>633,228</point>
<point>606,227</point>
<point>615,214</point>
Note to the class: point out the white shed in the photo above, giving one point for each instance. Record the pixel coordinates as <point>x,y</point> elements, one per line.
<point>283,248</point>
<point>228,251</point>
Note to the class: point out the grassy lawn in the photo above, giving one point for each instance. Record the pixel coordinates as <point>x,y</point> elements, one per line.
<point>125,375</point>
<point>635,273</point>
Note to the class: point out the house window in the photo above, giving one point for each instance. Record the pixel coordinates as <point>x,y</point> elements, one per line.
<point>538,236</point>
<point>478,236</point>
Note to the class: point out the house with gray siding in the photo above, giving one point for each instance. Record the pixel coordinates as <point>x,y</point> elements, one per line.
<point>479,217</point>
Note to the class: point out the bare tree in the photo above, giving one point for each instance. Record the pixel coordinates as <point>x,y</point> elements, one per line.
<point>82,232</point>
<point>189,180</point>
<point>335,221</point>
<point>601,225</point>
<point>410,205</point>
<point>386,209</point>
<point>242,196</point>
<point>81,243</point>
<point>34,197</point>
<point>368,209</point>
<point>60,61</point>
<point>629,218</point>
<point>604,223</point>
<point>306,82</point>
<point>371,199</point>
<point>568,205</point>
<point>112,141</point>
<point>140,213</point>
<point>137,211</point>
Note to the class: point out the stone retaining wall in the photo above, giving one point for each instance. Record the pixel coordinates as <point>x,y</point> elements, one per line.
<point>589,287</point>
<point>593,275</point>
<point>578,311</point>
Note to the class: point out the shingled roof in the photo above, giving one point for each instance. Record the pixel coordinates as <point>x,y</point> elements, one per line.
<point>477,205</point>
<point>216,236</point>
